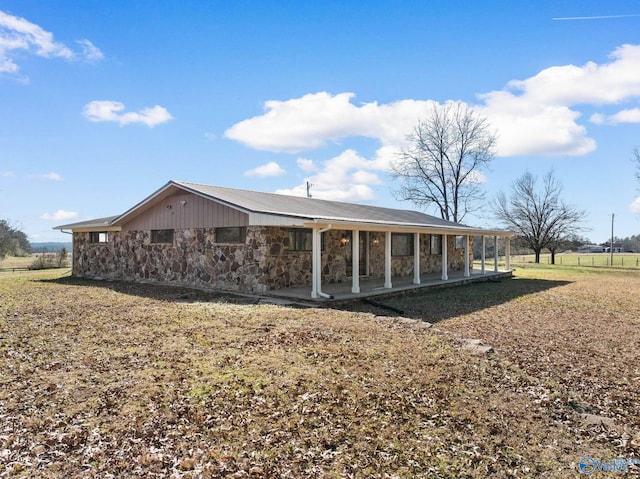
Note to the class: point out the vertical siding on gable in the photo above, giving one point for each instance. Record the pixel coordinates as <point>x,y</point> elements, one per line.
<point>195,212</point>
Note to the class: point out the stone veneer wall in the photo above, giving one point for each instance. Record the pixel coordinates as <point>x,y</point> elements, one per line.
<point>263,262</point>
<point>429,263</point>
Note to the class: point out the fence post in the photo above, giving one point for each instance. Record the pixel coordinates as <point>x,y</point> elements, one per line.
<point>578,260</point>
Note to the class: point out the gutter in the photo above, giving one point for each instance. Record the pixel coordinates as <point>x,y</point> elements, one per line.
<point>320,292</point>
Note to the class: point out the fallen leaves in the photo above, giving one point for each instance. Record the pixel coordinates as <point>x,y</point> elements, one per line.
<point>120,380</point>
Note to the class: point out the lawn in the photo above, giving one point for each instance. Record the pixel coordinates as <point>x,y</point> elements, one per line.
<point>108,379</point>
<point>594,260</point>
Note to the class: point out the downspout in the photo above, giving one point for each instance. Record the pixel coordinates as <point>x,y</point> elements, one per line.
<point>320,293</point>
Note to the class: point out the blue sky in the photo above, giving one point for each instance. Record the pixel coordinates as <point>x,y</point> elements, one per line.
<point>102,103</point>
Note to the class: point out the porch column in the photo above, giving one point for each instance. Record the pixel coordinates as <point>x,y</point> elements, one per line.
<point>483,255</point>
<point>507,253</point>
<point>445,274</point>
<point>316,263</point>
<point>355,261</point>
<point>416,258</point>
<point>466,257</point>
<point>387,260</point>
<point>495,254</point>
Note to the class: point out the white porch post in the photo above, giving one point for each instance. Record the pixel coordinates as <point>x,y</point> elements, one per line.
<point>507,253</point>
<point>367,242</point>
<point>316,263</point>
<point>466,257</point>
<point>495,254</point>
<point>483,255</point>
<point>355,261</point>
<point>387,260</point>
<point>416,258</point>
<point>445,274</point>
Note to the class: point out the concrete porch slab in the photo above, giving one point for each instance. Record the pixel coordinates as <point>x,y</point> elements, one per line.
<point>374,287</point>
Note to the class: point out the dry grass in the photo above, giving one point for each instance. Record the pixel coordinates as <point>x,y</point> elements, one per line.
<point>119,380</point>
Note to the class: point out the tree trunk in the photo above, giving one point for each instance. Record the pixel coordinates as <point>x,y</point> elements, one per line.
<point>537,251</point>
<point>553,256</point>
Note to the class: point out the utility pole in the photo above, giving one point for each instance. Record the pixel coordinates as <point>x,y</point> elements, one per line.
<point>611,244</point>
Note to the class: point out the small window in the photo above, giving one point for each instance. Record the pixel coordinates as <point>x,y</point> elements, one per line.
<point>401,244</point>
<point>99,237</point>
<point>300,240</point>
<point>436,244</point>
<point>459,242</point>
<point>162,236</point>
<point>234,234</point>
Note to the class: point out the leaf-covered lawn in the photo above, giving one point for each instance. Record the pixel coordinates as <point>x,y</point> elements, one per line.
<point>122,380</point>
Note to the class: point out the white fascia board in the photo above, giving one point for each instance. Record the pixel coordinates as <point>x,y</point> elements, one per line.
<point>84,229</point>
<point>407,228</point>
<point>262,219</point>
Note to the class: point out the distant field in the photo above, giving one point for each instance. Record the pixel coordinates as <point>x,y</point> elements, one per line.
<point>16,262</point>
<point>627,260</point>
<point>13,262</point>
<point>108,379</point>
<point>587,260</point>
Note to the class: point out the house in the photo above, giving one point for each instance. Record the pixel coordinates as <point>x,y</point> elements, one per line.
<point>592,248</point>
<point>245,241</point>
<point>617,247</point>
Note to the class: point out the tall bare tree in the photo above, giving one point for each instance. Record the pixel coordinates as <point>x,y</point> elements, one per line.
<point>636,160</point>
<point>540,215</point>
<point>443,165</point>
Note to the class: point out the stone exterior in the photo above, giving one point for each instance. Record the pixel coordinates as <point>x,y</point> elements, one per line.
<point>264,262</point>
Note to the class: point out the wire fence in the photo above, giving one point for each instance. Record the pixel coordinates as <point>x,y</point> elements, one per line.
<point>620,260</point>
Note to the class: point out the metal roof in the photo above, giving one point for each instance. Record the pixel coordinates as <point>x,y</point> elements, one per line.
<point>311,209</point>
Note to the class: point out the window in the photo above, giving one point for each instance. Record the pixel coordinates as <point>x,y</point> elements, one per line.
<point>300,239</point>
<point>98,237</point>
<point>436,244</point>
<point>232,234</point>
<point>459,242</point>
<point>401,244</point>
<point>162,236</point>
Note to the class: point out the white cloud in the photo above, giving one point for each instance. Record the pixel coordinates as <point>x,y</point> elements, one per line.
<point>52,176</point>
<point>270,169</point>
<point>306,165</point>
<point>7,174</point>
<point>631,115</point>
<point>90,52</point>
<point>536,116</point>
<point>210,136</point>
<point>113,111</point>
<point>346,177</point>
<point>60,215</point>
<point>539,115</point>
<point>635,206</point>
<point>19,34</point>
<point>315,119</point>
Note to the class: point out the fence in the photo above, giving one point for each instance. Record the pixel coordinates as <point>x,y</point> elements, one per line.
<point>620,260</point>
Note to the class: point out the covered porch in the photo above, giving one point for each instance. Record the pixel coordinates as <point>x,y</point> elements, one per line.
<point>375,287</point>
<point>364,284</point>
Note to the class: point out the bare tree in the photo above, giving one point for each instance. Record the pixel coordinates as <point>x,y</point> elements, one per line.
<point>541,217</point>
<point>443,165</point>
<point>636,160</point>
